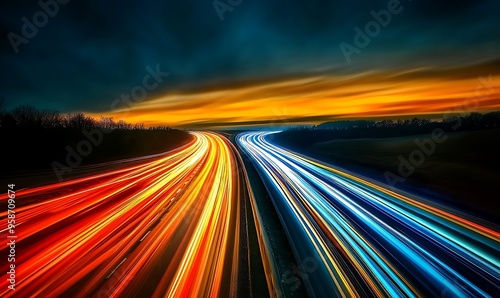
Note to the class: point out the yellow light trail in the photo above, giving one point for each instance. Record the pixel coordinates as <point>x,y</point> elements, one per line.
<point>166,227</point>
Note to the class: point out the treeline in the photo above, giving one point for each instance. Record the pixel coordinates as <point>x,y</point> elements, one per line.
<point>29,117</point>
<point>354,129</point>
<point>34,139</point>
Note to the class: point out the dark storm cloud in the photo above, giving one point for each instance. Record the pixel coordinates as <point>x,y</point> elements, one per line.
<point>92,51</point>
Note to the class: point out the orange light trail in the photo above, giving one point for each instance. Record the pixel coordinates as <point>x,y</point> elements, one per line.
<point>167,227</point>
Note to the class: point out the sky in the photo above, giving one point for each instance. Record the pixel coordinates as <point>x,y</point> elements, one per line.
<point>251,62</point>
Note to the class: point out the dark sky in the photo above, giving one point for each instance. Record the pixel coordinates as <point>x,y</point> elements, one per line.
<point>92,51</point>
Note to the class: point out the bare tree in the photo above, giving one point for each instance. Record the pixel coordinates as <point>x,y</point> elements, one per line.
<point>160,127</point>
<point>123,125</point>
<point>51,119</point>
<point>25,116</point>
<point>80,121</point>
<point>107,123</point>
<point>138,126</point>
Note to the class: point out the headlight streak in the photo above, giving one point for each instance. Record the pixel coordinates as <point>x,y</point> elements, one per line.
<point>395,245</point>
<point>167,227</point>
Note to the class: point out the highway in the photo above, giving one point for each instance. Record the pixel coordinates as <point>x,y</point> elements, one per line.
<point>168,227</point>
<point>356,238</point>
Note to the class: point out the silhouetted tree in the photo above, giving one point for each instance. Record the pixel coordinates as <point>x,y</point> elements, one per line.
<point>123,125</point>
<point>25,116</point>
<point>138,126</point>
<point>80,121</point>
<point>51,119</point>
<point>491,120</point>
<point>107,123</point>
<point>28,117</point>
<point>386,128</point>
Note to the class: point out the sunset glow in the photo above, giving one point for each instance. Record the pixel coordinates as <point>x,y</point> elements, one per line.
<point>319,98</point>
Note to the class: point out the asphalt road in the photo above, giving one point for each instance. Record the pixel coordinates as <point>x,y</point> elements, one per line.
<point>203,221</point>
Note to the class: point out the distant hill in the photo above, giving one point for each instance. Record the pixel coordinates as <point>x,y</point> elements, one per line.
<point>359,129</point>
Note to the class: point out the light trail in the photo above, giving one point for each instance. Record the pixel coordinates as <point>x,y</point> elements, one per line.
<point>371,241</point>
<point>163,228</point>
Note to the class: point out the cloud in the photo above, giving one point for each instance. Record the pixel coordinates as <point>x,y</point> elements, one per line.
<point>93,51</point>
<point>379,93</point>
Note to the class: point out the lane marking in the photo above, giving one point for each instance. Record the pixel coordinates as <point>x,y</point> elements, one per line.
<point>144,236</point>
<point>116,268</point>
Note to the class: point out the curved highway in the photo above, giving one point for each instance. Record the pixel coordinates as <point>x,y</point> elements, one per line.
<point>163,228</point>
<point>355,238</point>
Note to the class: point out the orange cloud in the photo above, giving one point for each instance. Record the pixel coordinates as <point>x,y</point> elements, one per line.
<point>365,95</point>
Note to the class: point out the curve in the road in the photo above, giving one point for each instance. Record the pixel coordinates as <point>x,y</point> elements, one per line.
<point>167,227</point>
<point>366,240</point>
